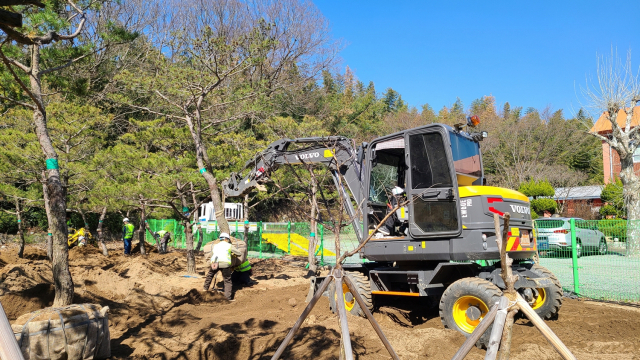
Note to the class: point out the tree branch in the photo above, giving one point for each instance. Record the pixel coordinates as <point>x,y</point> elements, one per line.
<point>20,82</point>
<point>18,102</point>
<point>67,64</point>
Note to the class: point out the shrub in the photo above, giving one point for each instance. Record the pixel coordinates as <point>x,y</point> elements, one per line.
<point>537,188</point>
<point>540,205</point>
<point>8,223</point>
<point>608,210</point>
<point>614,228</point>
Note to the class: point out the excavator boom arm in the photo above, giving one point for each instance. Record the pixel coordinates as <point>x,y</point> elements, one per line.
<point>335,152</point>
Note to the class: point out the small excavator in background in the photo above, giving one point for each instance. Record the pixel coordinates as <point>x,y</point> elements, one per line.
<point>78,237</point>
<point>442,244</point>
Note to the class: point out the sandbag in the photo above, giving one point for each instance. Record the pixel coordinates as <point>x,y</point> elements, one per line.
<point>74,332</point>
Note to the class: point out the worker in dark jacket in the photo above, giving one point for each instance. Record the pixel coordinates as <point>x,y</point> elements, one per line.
<point>242,274</point>
<point>163,237</point>
<point>221,261</point>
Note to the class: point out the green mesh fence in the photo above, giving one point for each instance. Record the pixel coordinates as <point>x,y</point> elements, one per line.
<point>264,240</point>
<point>597,259</point>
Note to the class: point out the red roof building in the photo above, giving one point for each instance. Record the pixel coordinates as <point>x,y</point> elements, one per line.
<point>610,158</point>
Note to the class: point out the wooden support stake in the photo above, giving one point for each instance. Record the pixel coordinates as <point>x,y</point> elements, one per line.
<point>371,319</point>
<point>502,239</point>
<point>475,335</point>
<point>496,332</point>
<point>505,348</point>
<point>544,329</point>
<point>303,316</point>
<point>9,349</point>
<point>342,316</point>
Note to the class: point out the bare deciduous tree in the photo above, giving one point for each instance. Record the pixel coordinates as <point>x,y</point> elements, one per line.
<point>615,93</point>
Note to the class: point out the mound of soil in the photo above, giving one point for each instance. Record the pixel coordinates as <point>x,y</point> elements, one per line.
<point>158,311</point>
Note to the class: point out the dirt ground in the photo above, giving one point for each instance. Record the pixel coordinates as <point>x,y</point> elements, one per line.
<point>158,313</point>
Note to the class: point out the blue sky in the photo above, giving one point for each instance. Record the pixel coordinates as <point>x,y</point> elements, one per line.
<point>529,53</point>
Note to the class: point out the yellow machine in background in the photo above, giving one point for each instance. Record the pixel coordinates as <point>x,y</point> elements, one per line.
<point>79,237</point>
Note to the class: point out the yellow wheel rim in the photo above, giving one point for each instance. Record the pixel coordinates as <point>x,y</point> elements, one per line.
<point>540,299</point>
<point>460,312</point>
<point>347,304</point>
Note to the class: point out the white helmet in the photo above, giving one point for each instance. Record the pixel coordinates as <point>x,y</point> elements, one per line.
<point>224,236</point>
<point>397,191</point>
<point>125,220</point>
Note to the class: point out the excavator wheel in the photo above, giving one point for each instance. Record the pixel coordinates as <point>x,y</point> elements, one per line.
<point>361,282</point>
<point>465,303</point>
<point>547,301</point>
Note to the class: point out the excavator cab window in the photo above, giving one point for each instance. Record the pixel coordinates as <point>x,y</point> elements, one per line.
<point>387,172</point>
<point>384,177</point>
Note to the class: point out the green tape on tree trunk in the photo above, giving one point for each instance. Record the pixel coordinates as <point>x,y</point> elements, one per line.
<point>52,164</point>
<point>19,220</point>
<point>203,170</point>
<point>49,234</point>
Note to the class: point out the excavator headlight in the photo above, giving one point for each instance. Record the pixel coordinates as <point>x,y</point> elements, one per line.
<point>485,134</point>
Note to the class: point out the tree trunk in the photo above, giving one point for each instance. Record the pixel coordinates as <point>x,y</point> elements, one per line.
<point>57,196</point>
<point>631,194</point>
<point>314,228</point>
<point>47,209</point>
<point>204,166</point>
<point>99,232</point>
<point>143,230</point>
<point>188,232</point>
<point>20,231</point>
<point>200,238</point>
<point>84,218</point>
<point>191,258</point>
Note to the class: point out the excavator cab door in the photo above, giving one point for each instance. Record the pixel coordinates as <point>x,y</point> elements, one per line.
<point>434,210</point>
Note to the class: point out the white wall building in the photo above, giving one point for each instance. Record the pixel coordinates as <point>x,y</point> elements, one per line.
<point>232,211</point>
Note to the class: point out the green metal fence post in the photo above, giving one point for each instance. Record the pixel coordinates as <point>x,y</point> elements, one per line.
<point>574,255</point>
<point>197,233</point>
<point>321,245</point>
<point>236,228</point>
<point>260,237</point>
<point>289,237</point>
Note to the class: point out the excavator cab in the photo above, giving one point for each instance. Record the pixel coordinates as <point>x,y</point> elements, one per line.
<point>429,163</point>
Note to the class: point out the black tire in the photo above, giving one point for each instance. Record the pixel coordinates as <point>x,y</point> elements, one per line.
<point>602,247</point>
<point>363,287</point>
<point>552,296</point>
<point>579,248</point>
<point>461,292</point>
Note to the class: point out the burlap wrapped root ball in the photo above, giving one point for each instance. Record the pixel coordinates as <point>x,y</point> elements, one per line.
<point>75,332</point>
